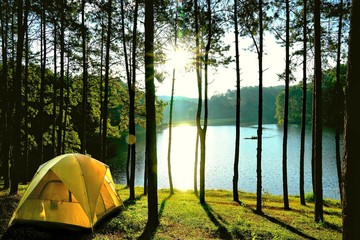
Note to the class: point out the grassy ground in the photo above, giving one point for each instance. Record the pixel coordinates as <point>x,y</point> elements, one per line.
<point>183,217</point>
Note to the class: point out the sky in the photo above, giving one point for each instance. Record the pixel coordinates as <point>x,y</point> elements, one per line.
<point>224,78</point>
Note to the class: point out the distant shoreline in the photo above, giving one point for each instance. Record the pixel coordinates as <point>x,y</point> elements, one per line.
<point>211,122</point>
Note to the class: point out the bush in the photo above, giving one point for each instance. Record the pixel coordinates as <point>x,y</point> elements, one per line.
<point>309,197</point>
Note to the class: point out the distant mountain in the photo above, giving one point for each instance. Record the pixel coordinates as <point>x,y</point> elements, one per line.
<point>222,106</point>
<point>184,109</point>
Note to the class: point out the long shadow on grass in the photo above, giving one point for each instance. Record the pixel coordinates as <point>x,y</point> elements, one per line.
<point>222,230</point>
<point>162,206</point>
<point>151,228</point>
<point>129,202</point>
<point>332,226</point>
<point>284,225</point>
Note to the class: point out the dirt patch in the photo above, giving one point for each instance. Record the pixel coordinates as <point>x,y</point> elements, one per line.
<point>34,233</point>
<point>8,205</point>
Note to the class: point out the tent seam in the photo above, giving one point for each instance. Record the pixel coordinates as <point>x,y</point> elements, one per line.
<point>87,194</point>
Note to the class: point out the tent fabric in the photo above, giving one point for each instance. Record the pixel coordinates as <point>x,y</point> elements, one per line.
<point>71,189</point>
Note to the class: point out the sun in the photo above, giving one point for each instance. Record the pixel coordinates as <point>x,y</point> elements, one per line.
<point>177,65</point>
<point>178,58</point>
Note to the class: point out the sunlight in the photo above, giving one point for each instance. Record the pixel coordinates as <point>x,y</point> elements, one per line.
<point>183,173</point>
<point>131,139</point>
<point>178,58</point>
<point>183,176</point>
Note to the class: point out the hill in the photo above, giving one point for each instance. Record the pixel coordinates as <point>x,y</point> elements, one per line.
<point>222,106</point>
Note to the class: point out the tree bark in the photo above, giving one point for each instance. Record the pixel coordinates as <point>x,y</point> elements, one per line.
<point>170,126</point>
<point>199,83</point>
<point>40,140</point>
<point>238,99</point>
<point>303,116</point>
<point>260,113</point>
<point>131,89</point>
<point>5,113</point>
<point>85,77</point>
<point>153,215</point>
<point>53,137</point>
<point>67,100</point>
<point>101,124</point>
<point>351,164</point>
<point>338,97</point>
<point>318,116</point>
<point>286,107</point>
<point>62,80</point>
<point>196,163</point>
<point>26,92</point>
<point>106,80</point>
<point>17,169</point>
<point>202,129</point>
<point>128,78</point>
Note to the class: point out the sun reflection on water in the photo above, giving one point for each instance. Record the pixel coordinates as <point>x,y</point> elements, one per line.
<point>182,156</point>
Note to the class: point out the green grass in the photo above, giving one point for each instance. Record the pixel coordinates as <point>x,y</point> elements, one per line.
<point>183,217</point>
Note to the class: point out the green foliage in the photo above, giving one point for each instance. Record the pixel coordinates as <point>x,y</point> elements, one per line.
<point>117,112</point>
<point>295,105</point>
<point>310,197</point>
<point>222,106</point>
<point>329,97</point>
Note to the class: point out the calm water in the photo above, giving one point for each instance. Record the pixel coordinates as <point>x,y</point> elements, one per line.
<point>220,156</point>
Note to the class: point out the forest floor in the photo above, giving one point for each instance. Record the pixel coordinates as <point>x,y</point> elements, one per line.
<point>183,217</point>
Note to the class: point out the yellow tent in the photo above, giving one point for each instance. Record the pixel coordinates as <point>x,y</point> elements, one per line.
<point>71,190</point>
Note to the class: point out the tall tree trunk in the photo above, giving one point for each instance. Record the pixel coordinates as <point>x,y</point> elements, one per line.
<point>128,167</point>
<point>313,141</point>
<point>202,136</point>
<point>132,86</point>
<point>106,79</point>
<point>196,163</point>
<point>170,131</point>
<point>351,164</point>
<point>53,135</point>
<point>16,168</point>
<point>286,107</point>
<point>206,99</point>
<point>318,119</point>
<point>5,113</point>
<point>146,184</point>
<point>153,215</point>
<point>40,140</point>
<point>260,113</point>
<point>128,78</point>
<point>171,110</point>
<point>85,77</point>
<point>13,51</point>
<point>202,130</point>
<point>67,101</point>
<point>101,94</point>
<point>198,78</point>
<point>338,97</point>
<point>62,69</point>
<point>303,116</point>
<point>26,92</point>
<point>238,99</point>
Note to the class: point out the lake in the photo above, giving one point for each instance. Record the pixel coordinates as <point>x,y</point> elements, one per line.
<point>220,145</point>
